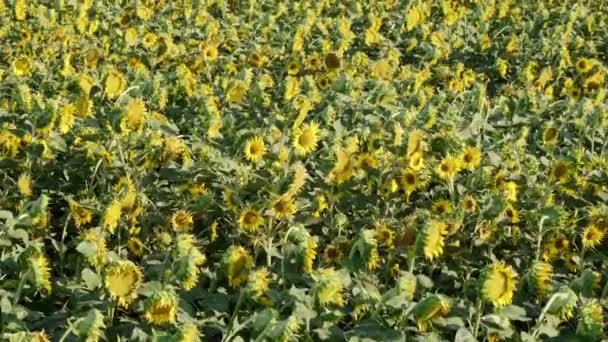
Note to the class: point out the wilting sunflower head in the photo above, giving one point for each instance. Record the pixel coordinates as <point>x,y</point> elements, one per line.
<point>591,236</point>
<point>430,308</point>
<point>90,328</point>
<point>498,284</point>
<point>111,216</point>
<point>187,260</point>
<point>306,138</point>
<point>187,333</point>
<point>93,237</point>
<point>591,320</point>
<point>562,303</point>
<point>161,308</point>
<point>431,240</point>
<point>257,282</point>
<point>254,149</point>
<point>237,263</point>
<point>41,273</point>
<point>540,278</point>
<point>329,286</point>
<point>250,219</point>
<point>122,280</point>
<point>407,286</point>
<point>181,221</point>
<point>308,252</point>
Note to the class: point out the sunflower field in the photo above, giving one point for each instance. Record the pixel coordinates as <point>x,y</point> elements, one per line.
<point>382,170</point>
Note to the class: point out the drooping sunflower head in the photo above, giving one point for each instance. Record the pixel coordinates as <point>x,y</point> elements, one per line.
<point>470,158</point>
<point>407,285</point>
<point>187,333</point>
<point>161,308</point>
<point>329,287</point>
<point>592,236</point>
<point>511,214</point>
<point>415,142</point>
<point>254,150</point>
<point>431,240</point>
<point>540,278</point>
<point>122,280</point>
<point>24,185</point>
<point>97,240</point>
<point>306,138</point>
<point>134,116</point>
<point>91,328</point>
<point>498,284</point>
<point>111,216</point>
<point>430,308</point>
<point>257,282</point>
<point>564,303</point>
<point>181,221</point>
<point>250,219</point>
<point>448,167</point>
<point>591,320</point>
<point>41,273</point>
<point>187,260</point>
<point>237,263</point>
<point>283,208</point>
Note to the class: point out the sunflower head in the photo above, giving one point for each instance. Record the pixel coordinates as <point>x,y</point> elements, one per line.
<point>91,327</point>
<point>448,167</point>
<point>442,206</point>
<point>257,282</point>
<point>430,241</point>
<point>306,138</point>
<point>187,333</point>
<point>469,204</point>
<point>592,236</point>
<point>40,272</point>
<point>161,308</point>
<point>470,158</point>
<point>250,219</point>
<point>181,221</point>
<point>283,208</point>
<point>329,287</point>
<point>254,150</point>
<point>431,307</point>
<point>583,65</point>
<point>415,142</point>
<point>498,284</point>
<point>237,263</point>
<point>563,303</point>
<point>122,280</point>
<point>540,278</point>
<point>550,136</point>
<point>591,320</point>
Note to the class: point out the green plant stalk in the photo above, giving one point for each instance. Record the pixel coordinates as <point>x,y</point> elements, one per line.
<point>20,287</point>
<point>239,302</point>
<point>540,237</point>
<point>479,310</point>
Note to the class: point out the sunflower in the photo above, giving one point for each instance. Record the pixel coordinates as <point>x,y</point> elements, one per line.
<point>237,263</point>
<point>41,273</point>
<point>111,216</point>
<point>592,236</point>
<point>150,40</point>
<point>257,282</point>
<point>134,116</point>
<point>187,333</point>
<point>283,208</point>
<point>591,321</point>
<point>448,167</point>
<point>415,142</point>
<point>24,185</point>
<point>22,66</point>
<point>309,253</point>
<point>306,138</point>
<point>469,204</point>
<point>416,161</point>
<point>431,307</point>
<point>430,242</point>
<point>583,65</point>
<point>367,161</point>
<point>560,171</point>
<point>161,308</point>
<point>122,280</point>
<point>250,219</point>
<point>115,84</point>
<point>442,206</point>
<point>81,215</point>
<point>91,328</point>
<point>470,158</point>
<point>94,238</point>
<point>540,278</point>
<point>181,221</point>
<point>511,213</point>
<point>254,149</point>
<point>313,63</point>
<point>329,287</point>
<point>549,136</point>
<point>210,52</point>
<point>498,282</point>
<point>293,68</point>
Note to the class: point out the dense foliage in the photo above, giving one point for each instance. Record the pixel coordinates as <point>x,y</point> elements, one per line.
<point>284,170</point>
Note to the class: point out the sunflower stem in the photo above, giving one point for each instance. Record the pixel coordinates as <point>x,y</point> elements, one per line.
<point>234,314</point>
<point>20,287</point>
<point>479,310</point>
<point>540,236</point>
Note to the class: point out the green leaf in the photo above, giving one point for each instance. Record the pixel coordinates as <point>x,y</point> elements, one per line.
<point>496,322</point>
<point>515,313</point>
<point>91,279</point>
<point>464,335</point>
<point>264,318</point>
<point>19,234</point>
<point>87,248</point>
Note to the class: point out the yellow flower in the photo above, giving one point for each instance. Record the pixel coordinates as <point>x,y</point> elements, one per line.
<point>471,157</point>
<point>448,167</point>
<point>592,236</point>
<point>283,208</point>
<point>293,68</point>
<point>237,263</point>
<point>134,116</point>
<point>187,333</point>
<point>82,216</point>
<point>66,118</point>
<point>257,283</point>
<point>309,254</point>
<point>415,142</point>
<point>181,221</point>
<point>161,308</point>
<point>540,277</point>
<point>115,84</point>
<point>210,52</point>
<point>41,273</point>
<point>93,237</point>
<point>22,66</point>
<point>250,219</point>
<point>550,136</point>
<point>498,283</point>
<point>24,185</point>
<point>254,149</point>
<point>442,206</point>
<point>416,161</point>
<point>187,260</point>
<point>583,65</point>
<point>122,280</point>
<point>150,40</point>
<point>431,307</point>
<point>306,138</point>
<point>344,167</point>
<point>131,36</point>
<point>430,242</point>
<point>111,216</point>
<point>329,287</point>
